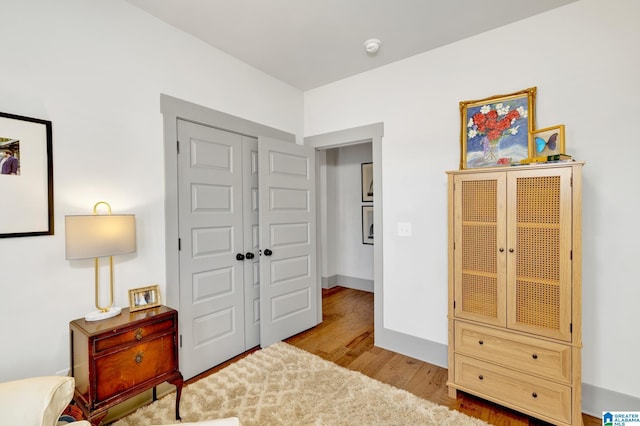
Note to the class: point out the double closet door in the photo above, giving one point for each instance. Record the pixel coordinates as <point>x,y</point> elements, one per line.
<point>246,213</point>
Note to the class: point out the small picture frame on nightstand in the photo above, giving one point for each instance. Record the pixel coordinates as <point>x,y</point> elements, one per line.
<point>144,298</point>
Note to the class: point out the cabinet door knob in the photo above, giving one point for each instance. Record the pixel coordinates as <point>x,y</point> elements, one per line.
<point>268,252</point>
<point>510,250</point>
<point>535,395</point>
<point>501,249</point>
<point>139,334</point>
<point>481,377</point>
<point>534,356</point>
<point>481,342</point>
<point>139,356</point>
<point>249,255</point>
<point>239,256</point>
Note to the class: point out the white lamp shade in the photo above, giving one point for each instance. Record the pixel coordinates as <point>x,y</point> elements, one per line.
<point>89,236</point>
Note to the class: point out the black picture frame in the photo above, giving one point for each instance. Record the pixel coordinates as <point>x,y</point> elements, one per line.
<point>367,225</point>
<point>27,182</point>
<point>366,181</point>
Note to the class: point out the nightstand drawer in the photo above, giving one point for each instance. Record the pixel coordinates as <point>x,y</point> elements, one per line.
<point>514,389</point>
<point>133,366</point>
<point>535,356</point>
<point>134,334</point>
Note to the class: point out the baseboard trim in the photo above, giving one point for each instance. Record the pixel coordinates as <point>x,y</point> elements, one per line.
<point>329,282</point>
<point>424,350</point>
<point>596,400</point>
<point>348,282</point>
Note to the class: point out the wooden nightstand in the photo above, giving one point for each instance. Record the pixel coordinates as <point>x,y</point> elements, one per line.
<point>117,358</point>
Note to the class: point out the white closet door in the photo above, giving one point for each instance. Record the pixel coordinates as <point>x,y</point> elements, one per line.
<point>211,232</point>
<point>251,242</point>
<point>288,293</point>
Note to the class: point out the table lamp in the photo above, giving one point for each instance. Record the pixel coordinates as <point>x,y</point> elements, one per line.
<point>100,235</point>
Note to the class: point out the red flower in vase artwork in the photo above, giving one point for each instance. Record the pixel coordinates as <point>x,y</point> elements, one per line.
<point>495,130</point>
<point>490,124</point>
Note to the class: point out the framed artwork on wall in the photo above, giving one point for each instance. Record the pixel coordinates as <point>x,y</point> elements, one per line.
<point>367,224</point>
<point>547,141</point>
<point>366,178</point>
<point>26,178</point>
<point>495,130</point>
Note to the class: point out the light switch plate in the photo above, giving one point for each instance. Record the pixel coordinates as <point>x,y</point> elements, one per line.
<point>404,229</point>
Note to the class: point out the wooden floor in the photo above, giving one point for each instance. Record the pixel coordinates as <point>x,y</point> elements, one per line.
<point>346,337</point>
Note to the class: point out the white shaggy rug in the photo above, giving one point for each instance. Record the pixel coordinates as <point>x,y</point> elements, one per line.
<point>284,385</point>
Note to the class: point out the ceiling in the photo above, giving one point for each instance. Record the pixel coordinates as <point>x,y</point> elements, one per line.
<point>310,43</point>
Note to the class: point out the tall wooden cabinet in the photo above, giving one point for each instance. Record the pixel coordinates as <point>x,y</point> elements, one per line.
<point>515,332</point>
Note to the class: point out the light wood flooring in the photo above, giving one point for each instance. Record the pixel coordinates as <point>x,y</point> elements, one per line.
<point>346,337</point>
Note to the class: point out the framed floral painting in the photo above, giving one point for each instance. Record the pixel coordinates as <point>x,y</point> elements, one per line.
<point>495,130</point>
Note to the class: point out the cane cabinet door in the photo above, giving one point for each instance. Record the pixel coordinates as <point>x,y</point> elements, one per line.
<point>539,251</point>
<point>479,233</point>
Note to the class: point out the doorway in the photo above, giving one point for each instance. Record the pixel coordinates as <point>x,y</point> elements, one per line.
<point>372,133</point>
<point>349,236</point>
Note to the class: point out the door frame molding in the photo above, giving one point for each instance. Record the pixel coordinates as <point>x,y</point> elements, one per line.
<point>369,133</point>
<point>173,109</point>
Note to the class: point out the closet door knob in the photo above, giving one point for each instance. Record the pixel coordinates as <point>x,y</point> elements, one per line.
<point>268,252</point>
<point>249,255</point>
<point>239,256</point>
<point>501,249</point>
<point>511,250</point>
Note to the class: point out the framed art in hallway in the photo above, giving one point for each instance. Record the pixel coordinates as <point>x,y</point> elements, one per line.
<point>495,131</point>
<point>366,179</point>
<point>26,176</point>
<point>367,224</point>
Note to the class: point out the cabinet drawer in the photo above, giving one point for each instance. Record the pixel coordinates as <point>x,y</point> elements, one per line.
<point>529,355</point>
<point>514,389</point>
<point>133,335</point>
<point>134,365</point>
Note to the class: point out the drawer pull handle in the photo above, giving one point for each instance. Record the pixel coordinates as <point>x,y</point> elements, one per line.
<point>481,342</point>
<point>481,377</point>
<point>534,356</point>
<point>139,334</point>
<point>138,358</point>
<point>535,395</point>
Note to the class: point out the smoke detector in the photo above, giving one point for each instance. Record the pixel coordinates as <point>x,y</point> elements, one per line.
<point>372,46</point>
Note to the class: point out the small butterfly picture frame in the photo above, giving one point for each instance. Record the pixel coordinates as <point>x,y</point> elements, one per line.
<point>547,141</point>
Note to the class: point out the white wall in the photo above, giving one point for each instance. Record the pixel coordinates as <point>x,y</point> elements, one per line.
<point>583,59</point>
<point>353,259</point>
<point>345,260</point>
<point>96,70</point>
<point>328,211</point>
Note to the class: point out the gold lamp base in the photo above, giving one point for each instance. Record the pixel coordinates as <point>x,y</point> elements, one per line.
<point>100,315</point>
